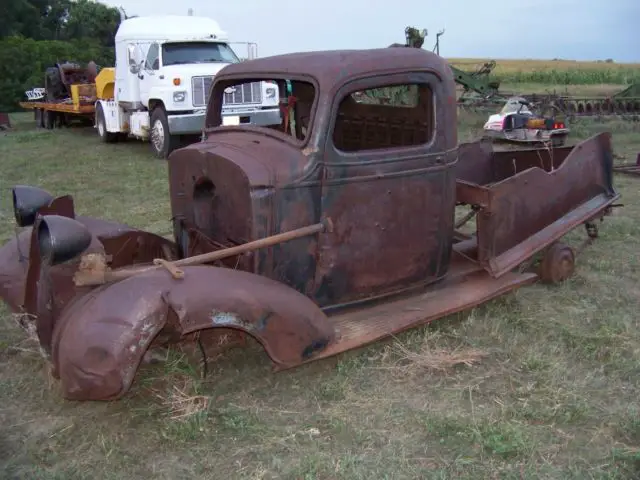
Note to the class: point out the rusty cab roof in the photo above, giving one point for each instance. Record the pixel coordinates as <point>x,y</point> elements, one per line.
<point>333,68</point>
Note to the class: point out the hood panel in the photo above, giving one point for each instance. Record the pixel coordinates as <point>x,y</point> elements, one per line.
<point>265,161</point>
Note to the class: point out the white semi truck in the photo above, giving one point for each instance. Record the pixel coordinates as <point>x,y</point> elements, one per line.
<point>159,88</point>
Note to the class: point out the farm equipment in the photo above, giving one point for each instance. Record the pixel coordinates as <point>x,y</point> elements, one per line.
<point>325,233</point>
<point>515,123</point>
<point>624,104</point>
<point>480,92</point>
<point>629,168</point>
<point>477,88</point>
<point>69,93</point>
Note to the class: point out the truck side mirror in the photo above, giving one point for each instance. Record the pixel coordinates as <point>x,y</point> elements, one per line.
<point>133,67</point>
<point>131,54</point>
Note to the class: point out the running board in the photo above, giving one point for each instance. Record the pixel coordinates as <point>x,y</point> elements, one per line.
<point>362,327</point>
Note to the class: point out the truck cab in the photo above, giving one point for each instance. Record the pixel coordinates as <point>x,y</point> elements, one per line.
<point>358,144</point>
<point>165,66</point>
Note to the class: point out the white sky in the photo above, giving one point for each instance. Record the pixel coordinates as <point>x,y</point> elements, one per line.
<point>571,29</point>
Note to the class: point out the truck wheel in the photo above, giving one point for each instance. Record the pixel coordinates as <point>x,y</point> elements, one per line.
<point>48,118</point>
<point>101,124</point>
<point>38,117</point>
<point>162,142</point>
<point>558,263</point>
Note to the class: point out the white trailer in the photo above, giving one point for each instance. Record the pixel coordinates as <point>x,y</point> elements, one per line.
<point>164,70</point>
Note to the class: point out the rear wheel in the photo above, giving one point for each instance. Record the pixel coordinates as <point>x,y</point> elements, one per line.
<point>162,142</point>
<point>38,117</point>
<point>558,263</point>
<point>101,125</point>
<point>48,119</point>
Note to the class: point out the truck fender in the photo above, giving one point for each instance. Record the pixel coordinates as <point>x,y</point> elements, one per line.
<point>102,336</point>
<point>14,262</point>
<point>14,255</point>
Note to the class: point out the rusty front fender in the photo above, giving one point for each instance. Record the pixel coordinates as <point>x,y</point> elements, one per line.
<point>102,336</point>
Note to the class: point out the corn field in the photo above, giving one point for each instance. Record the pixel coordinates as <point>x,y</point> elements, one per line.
<point>557,72</point>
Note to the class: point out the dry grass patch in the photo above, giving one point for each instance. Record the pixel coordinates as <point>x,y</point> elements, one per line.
<point>430,358</point>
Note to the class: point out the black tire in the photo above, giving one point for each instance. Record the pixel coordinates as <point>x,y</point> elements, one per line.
<point>161,147</point>
<point>101,125</point>
<point>39,120</point>
<point>48,119</point>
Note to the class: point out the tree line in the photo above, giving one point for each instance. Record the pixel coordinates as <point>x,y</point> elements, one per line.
<point>36,34</point>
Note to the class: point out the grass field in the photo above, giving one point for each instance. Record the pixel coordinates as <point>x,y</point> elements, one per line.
<point>562,72</point>
<point>554,393</point>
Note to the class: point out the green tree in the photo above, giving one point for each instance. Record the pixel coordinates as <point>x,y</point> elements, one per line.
<point>35,34</point>
<point>59,20</point>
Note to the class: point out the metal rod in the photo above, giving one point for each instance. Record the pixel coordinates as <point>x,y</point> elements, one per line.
<point>86,278</point>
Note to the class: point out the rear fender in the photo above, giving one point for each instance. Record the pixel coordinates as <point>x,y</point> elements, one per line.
<point>102,336</point>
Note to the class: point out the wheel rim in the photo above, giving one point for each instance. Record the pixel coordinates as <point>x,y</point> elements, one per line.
<point>559,264</point>
<point>101,127</point>
<point>157,135</point>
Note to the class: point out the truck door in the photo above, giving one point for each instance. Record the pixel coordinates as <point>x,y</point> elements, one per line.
<point>388,187</point>
<point>148,73</point>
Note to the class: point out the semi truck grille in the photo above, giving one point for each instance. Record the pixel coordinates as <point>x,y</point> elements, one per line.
<point>201,87</point>
<point>243,94</point>
<point>248,93</point>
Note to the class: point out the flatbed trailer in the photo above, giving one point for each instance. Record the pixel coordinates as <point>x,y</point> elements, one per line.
<point>48,114</point>
<point>60,107</point>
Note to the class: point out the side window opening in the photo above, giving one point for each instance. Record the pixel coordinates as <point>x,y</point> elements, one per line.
<point>131,58</point>
<point>387,117</point>
<point>153,57</point>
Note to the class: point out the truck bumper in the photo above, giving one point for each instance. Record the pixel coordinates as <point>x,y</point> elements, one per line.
<point>253,117</point>
<point>193,123</point>
<point>190,123</point>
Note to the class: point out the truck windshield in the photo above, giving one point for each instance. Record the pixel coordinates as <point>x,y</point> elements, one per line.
<point>197,52</point>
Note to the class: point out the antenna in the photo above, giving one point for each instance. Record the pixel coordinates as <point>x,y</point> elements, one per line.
<point>437,46</point>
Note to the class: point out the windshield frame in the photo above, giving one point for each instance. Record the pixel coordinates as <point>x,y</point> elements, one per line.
<point>199,44</point>
<point>214,107</point>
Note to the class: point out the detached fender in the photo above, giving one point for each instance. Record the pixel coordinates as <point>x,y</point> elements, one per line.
<point>14,263</point>
<point>118,239</point>
<point>102,336</point>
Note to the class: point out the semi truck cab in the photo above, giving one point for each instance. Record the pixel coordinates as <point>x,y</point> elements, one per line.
<point>165,66</point>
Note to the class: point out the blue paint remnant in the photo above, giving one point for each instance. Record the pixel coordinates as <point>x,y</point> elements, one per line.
<point>262,321</point>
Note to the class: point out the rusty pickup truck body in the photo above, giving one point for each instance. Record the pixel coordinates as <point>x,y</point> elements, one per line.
<point>327,232</point>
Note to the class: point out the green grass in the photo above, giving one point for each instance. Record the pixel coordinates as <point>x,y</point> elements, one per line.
<point>575,76</point>
<point>556,394</point>
<point>560,72</point>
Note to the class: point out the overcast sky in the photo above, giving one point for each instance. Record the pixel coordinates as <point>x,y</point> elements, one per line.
<point>573,29</point>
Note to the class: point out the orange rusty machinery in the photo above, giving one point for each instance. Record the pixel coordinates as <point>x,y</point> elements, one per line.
<point>70,93</point>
